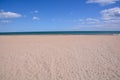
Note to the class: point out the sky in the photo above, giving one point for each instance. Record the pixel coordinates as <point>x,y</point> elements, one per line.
<point>59,15</point>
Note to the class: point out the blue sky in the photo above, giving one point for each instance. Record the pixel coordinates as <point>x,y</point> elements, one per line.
<point>59,15</point>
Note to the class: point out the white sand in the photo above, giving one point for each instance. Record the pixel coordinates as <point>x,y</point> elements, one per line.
<point>60,57</point>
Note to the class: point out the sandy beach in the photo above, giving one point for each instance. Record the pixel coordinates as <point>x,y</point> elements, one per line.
<point>60,57</point>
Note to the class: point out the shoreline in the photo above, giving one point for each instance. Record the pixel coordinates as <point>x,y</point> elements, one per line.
<point>68,35</point>
<point>63,33</point>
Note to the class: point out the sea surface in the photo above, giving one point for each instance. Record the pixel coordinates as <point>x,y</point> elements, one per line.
<point>63,33</point>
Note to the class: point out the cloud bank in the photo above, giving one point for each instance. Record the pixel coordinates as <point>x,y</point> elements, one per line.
<point>112,13</point>
<point>102,2</point>
<point>109,18</point>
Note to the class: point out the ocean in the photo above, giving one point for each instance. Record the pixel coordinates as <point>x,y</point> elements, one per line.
<point>63,33</point>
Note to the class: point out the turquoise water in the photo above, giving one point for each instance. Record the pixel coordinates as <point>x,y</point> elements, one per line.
<point>63,33</point>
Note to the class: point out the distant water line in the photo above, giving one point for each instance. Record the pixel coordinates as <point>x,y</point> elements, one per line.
<point>63,33</point>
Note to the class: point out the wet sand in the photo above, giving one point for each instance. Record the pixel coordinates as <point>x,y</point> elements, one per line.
<point>60,57</point>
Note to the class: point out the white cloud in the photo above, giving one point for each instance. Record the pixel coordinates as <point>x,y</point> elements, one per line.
<point>92,20</point>
<point>88,21</point>
<point>35,12</point>
<point>112,13</point>
<point>5,21</point>
<point>7,15</point>
<point>102,2</point>
<point>36,18</point>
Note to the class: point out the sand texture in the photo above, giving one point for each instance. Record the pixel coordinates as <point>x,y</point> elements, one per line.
<point>60,57</point>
